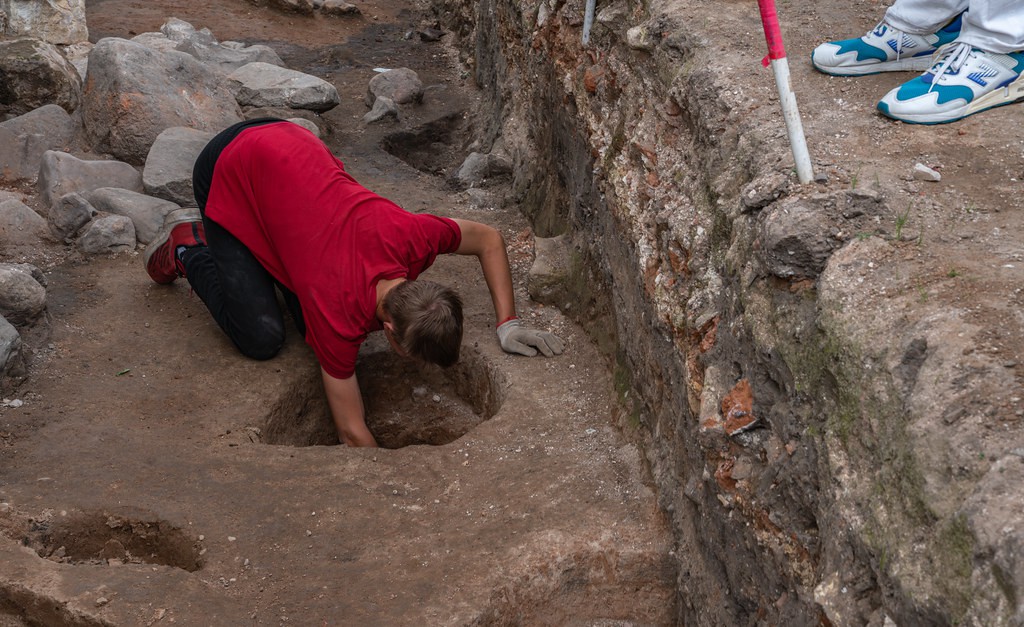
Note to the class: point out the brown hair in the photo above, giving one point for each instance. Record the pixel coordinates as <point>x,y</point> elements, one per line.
<point>427,317</point>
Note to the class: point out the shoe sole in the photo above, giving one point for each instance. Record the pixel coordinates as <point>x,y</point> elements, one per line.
<point>1012,93</point>
<point>913,64</point>
<point>173,219</point>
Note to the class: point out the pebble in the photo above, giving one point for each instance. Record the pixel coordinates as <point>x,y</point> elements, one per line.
<point>100,602</point>
<point>924,173</point>
<point>232,538</point>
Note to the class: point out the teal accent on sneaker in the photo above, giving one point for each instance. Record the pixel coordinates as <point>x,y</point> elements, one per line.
<point>883,49</point>
<point>963,81</point>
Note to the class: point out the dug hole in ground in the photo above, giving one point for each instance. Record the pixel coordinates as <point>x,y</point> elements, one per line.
<point>866,328</point>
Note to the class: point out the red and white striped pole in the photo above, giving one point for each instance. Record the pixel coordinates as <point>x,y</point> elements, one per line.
<point>780,67</point>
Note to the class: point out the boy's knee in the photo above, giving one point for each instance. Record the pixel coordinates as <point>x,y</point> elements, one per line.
<point>263,343</point>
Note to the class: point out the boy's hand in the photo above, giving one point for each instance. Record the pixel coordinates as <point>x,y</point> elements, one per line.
<point>516,338</point>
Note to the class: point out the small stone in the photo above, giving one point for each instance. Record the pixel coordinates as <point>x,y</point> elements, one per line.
<point>100,602</point>
<point>924,173</point>
<point>4,508</point>
<point>821,177</point>
<point>308,533</point>
<point>232,538</point>
<point>437,398</point>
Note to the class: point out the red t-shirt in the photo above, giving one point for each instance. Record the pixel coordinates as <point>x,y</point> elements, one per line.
<point>324,236</point>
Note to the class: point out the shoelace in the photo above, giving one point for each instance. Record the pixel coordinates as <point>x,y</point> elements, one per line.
<point>878,32</point>
<point>956,54</point>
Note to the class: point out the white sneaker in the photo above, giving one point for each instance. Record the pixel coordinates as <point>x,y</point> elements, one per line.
<point>884,49</point>
<point>963,81</point>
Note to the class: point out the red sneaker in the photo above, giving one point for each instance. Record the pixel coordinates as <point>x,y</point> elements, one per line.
<point>183,227</point>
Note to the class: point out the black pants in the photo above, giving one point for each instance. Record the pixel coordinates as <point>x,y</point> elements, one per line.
<point>239,292</point>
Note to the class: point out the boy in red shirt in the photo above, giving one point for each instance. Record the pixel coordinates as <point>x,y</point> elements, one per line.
<point>278,210</point>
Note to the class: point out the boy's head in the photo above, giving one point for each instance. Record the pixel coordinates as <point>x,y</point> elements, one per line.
<point>426,321</point>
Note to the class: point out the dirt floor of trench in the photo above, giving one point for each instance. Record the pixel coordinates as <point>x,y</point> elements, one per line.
<point>153,475</point>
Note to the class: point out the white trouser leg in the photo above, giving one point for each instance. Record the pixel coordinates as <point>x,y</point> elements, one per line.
<point>923,17</point>
<point>992,25</point>
<point>995,25</point>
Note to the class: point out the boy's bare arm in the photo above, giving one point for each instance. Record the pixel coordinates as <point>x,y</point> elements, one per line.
<point>346,403</point>
<point>487,244</point>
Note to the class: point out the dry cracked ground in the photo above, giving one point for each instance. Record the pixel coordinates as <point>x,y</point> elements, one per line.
<point>157,477</point>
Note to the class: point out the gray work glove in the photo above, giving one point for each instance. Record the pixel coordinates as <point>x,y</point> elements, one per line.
<point>516,338</point>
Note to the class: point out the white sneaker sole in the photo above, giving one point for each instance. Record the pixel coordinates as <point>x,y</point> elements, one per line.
<point>912,64</point>
<point>995,98</point>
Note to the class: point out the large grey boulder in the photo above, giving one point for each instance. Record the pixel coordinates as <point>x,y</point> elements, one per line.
<point>264,85</point>
<point>68,215</point>
<point>146,213</point>
<point>168,170</point>
<point>54,21</point>
<point>62,173</point>
<point>24,139</point>
<point>20,226</point>
<point>107,235</point>
<point>157,41</point>
<point>401,85</point>
<point>132,93</point>
<point>12,360</point>
<point>34,73</point>
<point>22,293</point>
<point>201,44</point>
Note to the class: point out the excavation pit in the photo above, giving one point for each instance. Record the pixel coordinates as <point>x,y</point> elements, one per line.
<point>104,538</point>
<point>430,147</point>
<point>407,403</point>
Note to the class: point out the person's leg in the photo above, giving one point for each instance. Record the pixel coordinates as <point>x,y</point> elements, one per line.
<point>238,291</point>
<point>922,28</point>
<point>223,272</point>
<point>995,26</point>
<point>923,17</point>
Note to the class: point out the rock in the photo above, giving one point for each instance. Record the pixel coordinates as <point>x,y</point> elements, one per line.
<point>478,167</point>
<point>924,173</point>
<point>108,234</point>
<point>339,8</point>
<point>146,212</point>
<point>383,107</point>
<point>430,35</point>
<point>20,226</point>
<point>62,173</point>
<point>401,85</point>
<point>795,239</point>
<point>168,170</point>
<point>133,93</point>
<point>78,56</point>
<point>550,270</point>
<point>305,7</point>
<point>264,85</point>
<point>306,124</point>
<point>178,30</point>
<point>640,38</point>
<point>34,73</point>
<point>156,41</point>
<point>22,295</point>
<point>24,139</point>
<point>12,360</point>
<point>54,21</point>
<point>204,46</point>
<point>68,215</point>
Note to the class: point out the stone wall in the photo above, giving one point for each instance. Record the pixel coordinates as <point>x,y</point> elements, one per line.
<point>778,422</point>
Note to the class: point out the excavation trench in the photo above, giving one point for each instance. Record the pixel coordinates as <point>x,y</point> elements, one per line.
<point>407,403</point>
